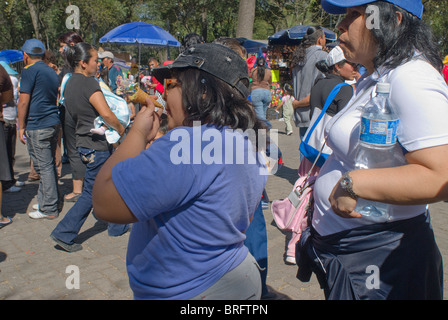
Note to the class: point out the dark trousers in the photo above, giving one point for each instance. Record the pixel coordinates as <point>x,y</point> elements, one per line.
<point>68,228</point>
<point>10,130</point>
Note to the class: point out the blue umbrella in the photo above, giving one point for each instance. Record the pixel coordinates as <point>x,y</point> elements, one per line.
<point>11,56</point>
<point>140,33</point>
<point>298,32</point>
<point>251,45</point>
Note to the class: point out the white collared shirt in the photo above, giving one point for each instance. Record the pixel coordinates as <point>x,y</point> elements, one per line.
<point>420,98</point>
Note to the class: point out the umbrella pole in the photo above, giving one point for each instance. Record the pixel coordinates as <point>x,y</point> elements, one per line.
<point>139,48</point>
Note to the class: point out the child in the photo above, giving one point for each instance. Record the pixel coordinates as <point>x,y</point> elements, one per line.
<point>288,110</point>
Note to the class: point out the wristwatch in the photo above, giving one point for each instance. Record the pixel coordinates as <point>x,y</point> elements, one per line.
<point>346,183</point>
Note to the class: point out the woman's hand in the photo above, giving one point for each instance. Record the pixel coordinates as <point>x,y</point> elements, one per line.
<point>342,203</point>
<point>147,121</point>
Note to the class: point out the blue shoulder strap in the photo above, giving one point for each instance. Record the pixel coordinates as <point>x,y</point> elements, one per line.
<point>329,100</point>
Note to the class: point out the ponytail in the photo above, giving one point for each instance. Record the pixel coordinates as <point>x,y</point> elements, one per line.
<point>311,37</point>
<point>323,67</point>
<point>77,53</point>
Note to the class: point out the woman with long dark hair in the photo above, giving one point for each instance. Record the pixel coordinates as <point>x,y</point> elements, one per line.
<point>261,89</point>
<point>304,73</point>
<point>192,193</point>
<point>68,126</point>
<point>352,256</point>
<point>84,101</point>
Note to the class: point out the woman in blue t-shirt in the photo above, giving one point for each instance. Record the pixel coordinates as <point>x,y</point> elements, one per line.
<point>192,194</point>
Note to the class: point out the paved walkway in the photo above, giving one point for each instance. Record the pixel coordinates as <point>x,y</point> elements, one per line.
<point>32,268</point>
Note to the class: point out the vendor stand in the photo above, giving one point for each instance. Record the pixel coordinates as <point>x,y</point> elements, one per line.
<point>281,47</point>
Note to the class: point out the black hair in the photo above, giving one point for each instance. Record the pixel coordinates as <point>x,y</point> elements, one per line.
<point>325,69</point>
<point>288,88</point>
<point>69,38</point>
<point>397,43</point>
<point>212,101</point>
<point>312,35</point>
<point>189,40</point>
<point>261,66</point>
<point>79,52</point>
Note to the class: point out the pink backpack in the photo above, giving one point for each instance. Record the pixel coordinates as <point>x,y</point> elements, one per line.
<point>290,214</point>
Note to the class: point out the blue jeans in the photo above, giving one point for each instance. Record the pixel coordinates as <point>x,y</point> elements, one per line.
<point>41,145</point>
<point>261,98</point>
<point>68,228</point>
<point>257,243</point>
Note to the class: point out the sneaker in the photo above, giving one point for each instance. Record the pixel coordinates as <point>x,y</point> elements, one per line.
<point>20,183</point>
<point>39,215</point>
<point>35,206</point>
<point>67,247</point>
<point>290,260</point>
<point>13,189</point>
<point>289,133</point>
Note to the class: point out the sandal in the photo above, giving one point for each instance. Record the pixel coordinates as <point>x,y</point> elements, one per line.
<point>4,224</point>
<point>72,199</point>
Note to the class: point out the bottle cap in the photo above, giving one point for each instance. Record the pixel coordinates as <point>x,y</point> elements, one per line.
<point>383,87</point>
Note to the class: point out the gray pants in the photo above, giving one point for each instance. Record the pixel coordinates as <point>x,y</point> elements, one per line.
<point>241,283</point>
<point>41,147</point>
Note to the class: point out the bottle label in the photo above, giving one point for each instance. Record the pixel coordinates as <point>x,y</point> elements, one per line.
<point>380,132</point>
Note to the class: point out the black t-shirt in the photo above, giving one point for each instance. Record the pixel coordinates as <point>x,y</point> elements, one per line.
<point>78,91</point>
<point>322,89</point>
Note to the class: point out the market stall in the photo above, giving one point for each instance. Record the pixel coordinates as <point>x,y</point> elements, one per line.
<point>281,47</point>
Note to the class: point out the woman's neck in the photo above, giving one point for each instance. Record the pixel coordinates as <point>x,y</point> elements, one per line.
<point>82,71</point>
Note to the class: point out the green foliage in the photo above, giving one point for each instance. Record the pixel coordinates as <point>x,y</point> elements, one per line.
<point>210,18</point>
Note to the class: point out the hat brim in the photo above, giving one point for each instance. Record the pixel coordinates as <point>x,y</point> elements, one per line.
<point>340,6</point>
<point>163,73</point>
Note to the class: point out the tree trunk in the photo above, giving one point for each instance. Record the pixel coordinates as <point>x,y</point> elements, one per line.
<point>246,17</point>
<point>34,18</point>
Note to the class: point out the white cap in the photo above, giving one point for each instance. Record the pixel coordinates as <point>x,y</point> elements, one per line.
<point>334,56</point>
<point>106,54</point>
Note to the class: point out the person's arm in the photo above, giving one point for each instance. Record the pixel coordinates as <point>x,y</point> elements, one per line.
<point>423,180</point>
<point>305,102</point>
<point>22,112</point>
<point>99,103</point>
<point>107,202</point>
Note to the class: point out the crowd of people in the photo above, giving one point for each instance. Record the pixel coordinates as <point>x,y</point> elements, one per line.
<point>210,216</point>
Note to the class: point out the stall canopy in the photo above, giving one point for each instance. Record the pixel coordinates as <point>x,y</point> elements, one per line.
<point>11,56</point>
<point>294,35</point>
<point>252,46</point>
<point>140,33</point>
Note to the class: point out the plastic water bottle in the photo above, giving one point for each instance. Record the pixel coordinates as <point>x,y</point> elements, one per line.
<point>378,147</point>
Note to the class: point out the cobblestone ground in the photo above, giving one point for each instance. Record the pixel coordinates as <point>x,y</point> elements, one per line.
<point>31,267</point>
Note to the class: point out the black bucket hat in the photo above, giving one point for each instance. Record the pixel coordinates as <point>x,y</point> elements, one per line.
<point>216,59</point>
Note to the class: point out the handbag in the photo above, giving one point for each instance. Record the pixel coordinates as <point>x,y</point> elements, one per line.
<point>313,140</point>
<point>291,213</point>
